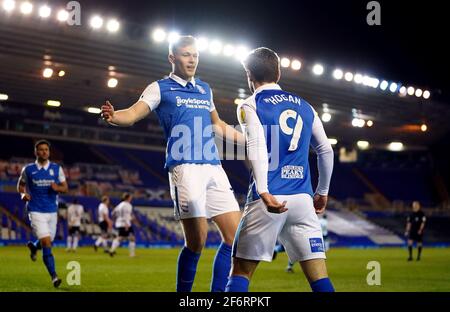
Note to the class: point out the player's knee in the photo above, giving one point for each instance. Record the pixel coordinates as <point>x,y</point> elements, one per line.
<point>196,245</point>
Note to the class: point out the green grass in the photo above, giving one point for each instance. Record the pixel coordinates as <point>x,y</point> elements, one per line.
<point>154,270</point>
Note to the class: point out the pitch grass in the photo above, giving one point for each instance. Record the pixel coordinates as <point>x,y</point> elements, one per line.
<point>154,270</point>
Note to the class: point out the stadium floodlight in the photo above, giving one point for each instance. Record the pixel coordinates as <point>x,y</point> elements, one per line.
<point>112,82</point>
<point>332,141</point>
<point>202,44</point>
<point>159,35</point>
<point>285,62</point>
<point>9,5</point>
<point>94,110</point>
<point>402,90</point>
<point>238,101</point>
<point>366,80</point>
<point>426,94</point>
<point>418,92</point>
<point>393,87</point>
<point>358,122</point>
<point>369,123</point>
<point>358,78</point>
<point>338,74</point>
<point>45,11</point>
<point>215,47</point>
<point>374,82</point>
<point>348,76</point>
<point>395,146</point>
<point>54,103</point>
<point>363,145</point>
<point>96,22</point>
<point>61,73</point>
<point>3,97</point>
<point>228,50</point>
<point>62,15</point>
<point>173,37</point>
<point>423,128</point>
<point>410,90</point>
<point>296,65</point>
<point>26,8</point>
<point>113,25</point>
<point>384,85</point>
<point>317,69</point>
<point>326,117</point>
<point>241,53</point>
<point>47,72</point>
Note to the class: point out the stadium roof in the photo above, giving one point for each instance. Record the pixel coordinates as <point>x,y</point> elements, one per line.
<point>90,58</point>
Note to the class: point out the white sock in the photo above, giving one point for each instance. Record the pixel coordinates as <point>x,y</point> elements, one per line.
<point>75,242</point>
<point>99,241</point>
<point>115,244</point>
<point>132,247</point>
<point>69,241</point>
<point>105,244</point>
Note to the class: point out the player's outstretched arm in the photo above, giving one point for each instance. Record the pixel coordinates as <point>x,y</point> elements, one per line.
<point>223,130</point>
<point>125,117</point>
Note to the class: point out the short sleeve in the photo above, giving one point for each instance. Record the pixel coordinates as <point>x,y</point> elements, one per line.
<point>151,96</point>
<point>212,106</point>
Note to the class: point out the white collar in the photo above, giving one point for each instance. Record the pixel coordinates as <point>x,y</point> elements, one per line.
<point>38,165</point>
<point>180,80</point>
<point>269,86</point>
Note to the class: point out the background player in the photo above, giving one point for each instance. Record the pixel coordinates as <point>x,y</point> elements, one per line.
<point>199,186</point>
<point>123,214</point>
<point>39,185</point>
<point>105,224</point>
<point>292,126</point>
<point>75,213</point>
<point>415,224</point>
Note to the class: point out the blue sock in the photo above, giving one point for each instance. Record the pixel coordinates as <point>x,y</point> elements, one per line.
<point>221,268</point>
<point>279,248</point>
<point>187,267</point>
<point>322,285</point>
<point>237,283</point>
<point>37,244</point>
<point>49,261</point>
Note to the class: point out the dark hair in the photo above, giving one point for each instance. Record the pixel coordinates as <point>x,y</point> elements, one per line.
<point>40,142</point>
<point>75,201</point>
<point>263,65</point>
<point>182,41</point>
<point>126,196</point>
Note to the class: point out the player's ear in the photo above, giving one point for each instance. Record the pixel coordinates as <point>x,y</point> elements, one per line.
<point>278,74</point>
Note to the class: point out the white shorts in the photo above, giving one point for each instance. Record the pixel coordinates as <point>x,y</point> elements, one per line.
<point>298,229</point>
<point>43,224</point>
<point>201,190</point>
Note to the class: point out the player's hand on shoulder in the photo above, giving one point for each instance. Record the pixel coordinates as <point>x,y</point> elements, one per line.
<point>320,203</point>
<point>25,197</point>
<point>107,111</point>
<point>272,204</point>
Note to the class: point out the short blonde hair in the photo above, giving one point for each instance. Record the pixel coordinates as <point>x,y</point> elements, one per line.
<point>182,42</point>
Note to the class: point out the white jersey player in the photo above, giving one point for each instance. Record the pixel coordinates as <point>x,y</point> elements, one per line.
<point>105,224</point>
<point>75,213</point>
<point>123,214</point>
<point>281,126</point>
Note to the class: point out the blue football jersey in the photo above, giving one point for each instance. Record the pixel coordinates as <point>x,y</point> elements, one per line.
<point>287,120</point>
<point>184,114</point>
<point>43,197</point>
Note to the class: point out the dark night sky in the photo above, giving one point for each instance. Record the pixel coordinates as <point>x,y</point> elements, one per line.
<point>407,47</point>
